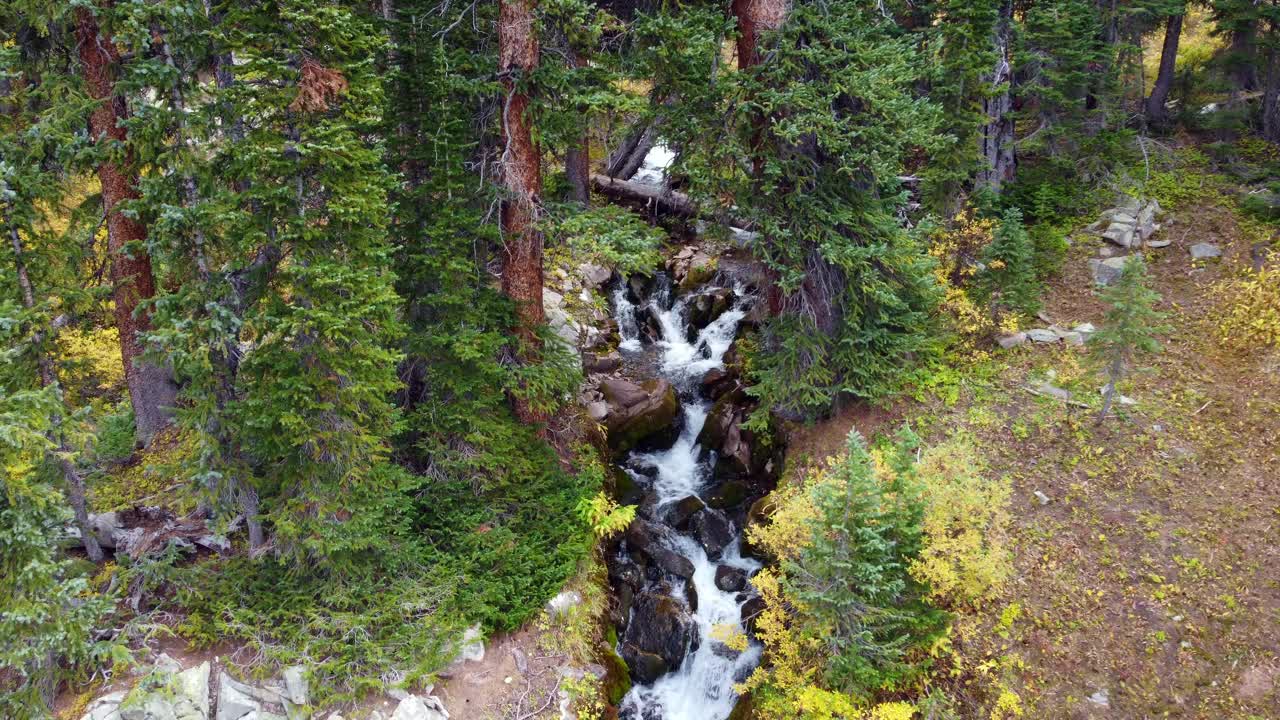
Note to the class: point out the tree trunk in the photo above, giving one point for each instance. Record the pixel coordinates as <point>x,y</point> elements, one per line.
<point>1270,98</point>
<point>151,387</point>
<point>521,179</point>
<point>577,159</point>
<point>1243,69</point>
<point>629,156</point>
<point>995,140</point>
<point>75,483</point>
<point>754,16</point>
<point>1157,113</point>
<point>662,200</point>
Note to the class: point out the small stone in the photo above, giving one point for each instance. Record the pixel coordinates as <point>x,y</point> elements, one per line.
<point>598,410</point>
<point>1042,335</point>
<point>1085,329</point>
<point>472,645</point>
<point>1123,218</point>
<point>1101,698</point>
<point>106,707</point>
<point>1107,271</point>
<point>1073,338</point>
<point>1041,497</point>
<point>417,708</point>
<point>1157,244</point>
<point>594,275</point>
<point>561,604</point>
<point>1106,251</point>
<point>1011,340</point>
<point>233,703</point>
<point>295,683</point>
<point>1204,251</point>
<point>551,298</point>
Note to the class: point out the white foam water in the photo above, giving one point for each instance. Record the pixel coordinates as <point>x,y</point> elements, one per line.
<point>702,687</point>
<point>653,170</point>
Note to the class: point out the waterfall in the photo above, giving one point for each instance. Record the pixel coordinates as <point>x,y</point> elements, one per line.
<point>701,688</point>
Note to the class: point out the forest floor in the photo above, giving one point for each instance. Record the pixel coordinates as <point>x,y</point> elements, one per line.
<point>1148,584</point>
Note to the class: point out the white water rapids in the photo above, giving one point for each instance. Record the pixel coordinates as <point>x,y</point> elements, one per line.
<point>702,687</point>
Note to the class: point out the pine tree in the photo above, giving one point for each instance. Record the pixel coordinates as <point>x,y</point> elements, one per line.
<point>1129,329</point>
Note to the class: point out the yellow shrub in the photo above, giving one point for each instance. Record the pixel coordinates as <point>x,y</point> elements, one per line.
<point>965,559</point>
<point>893,711</point>
<point>92,360</point>
<point>1249,318</point>
<point>956,250</point>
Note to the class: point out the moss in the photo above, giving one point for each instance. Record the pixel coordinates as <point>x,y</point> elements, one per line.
<point>617,677</point>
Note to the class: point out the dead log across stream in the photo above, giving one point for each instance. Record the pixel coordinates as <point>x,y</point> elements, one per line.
<point>661,199</point>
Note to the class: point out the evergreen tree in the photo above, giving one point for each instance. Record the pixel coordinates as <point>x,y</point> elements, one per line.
<point>854,576</point>
<point>1130,327</point>
<point>151,385</point>
<point>822,125</point>
<point>1008,281</point>
<point>283,312</point>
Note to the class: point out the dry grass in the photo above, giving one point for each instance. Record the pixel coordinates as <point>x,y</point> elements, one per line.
<point>1153,573</point>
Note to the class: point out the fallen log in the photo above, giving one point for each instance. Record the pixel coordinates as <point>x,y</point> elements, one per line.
<point>653,196</point>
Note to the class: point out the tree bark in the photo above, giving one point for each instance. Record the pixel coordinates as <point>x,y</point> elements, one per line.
<point>521,179</point>
<point>754,17</point>
<point>1271,99</point>
<point>995,140</point>
<point>626,160</point>
<point>577,159</point>
<point>1157,113</point>
<point>151,387</point>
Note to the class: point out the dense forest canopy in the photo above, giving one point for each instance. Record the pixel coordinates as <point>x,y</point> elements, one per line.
<point>288,270</point>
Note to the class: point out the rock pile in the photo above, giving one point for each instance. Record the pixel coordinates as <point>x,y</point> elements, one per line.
<point>1131,225</point>
<point>1077,336</point>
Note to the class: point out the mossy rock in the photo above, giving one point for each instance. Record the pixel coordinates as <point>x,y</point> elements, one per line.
<point>617,676</point>
<point>729,494</point>
<point>650,417</point>
<point>625,490</point>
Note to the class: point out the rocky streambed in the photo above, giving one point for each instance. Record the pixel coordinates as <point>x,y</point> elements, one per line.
<point>674,405</point>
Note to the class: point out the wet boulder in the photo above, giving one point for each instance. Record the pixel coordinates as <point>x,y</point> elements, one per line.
<point>728,494</point>
<point>752,607</point>
<point>730,578</point>
<point>637,411</point>
<point>679,514</point>
<point>703,308</point>
<point>724,433</point>
<point>661,626</point>
<point>648,540</point>
<point>645,667</point>
<point>712,531</point>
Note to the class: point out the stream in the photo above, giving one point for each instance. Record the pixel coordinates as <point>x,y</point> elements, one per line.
<point>701,687</point>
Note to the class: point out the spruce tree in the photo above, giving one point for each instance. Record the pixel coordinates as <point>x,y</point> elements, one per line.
<point>1129,329</point>
<point>854,575</point>
<point>1008,280</point>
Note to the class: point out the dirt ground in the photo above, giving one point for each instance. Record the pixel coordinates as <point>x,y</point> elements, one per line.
<point>1148,584</point>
